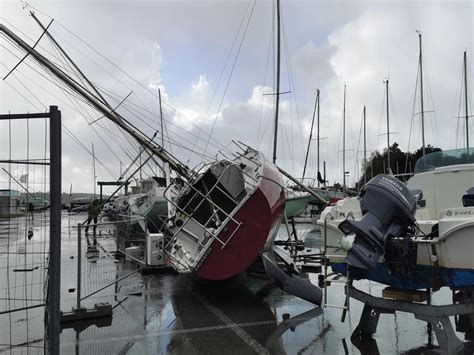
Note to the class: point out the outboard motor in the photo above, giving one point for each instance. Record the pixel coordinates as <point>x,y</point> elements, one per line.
<point>388,208</point>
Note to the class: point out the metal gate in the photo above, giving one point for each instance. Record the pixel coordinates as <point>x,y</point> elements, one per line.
<point>30,232</point>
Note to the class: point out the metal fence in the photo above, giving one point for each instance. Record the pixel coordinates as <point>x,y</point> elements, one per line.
<point>30,238</point>
<point>100,247</point>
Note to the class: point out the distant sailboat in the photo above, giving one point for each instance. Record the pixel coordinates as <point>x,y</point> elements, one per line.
<point>328,194</point>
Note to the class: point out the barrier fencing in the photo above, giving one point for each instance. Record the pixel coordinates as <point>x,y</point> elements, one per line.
<point>100,246</point>
<point>30,232</point>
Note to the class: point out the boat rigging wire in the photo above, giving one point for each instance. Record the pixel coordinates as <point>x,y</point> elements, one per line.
<point>264,83</point>
<point>116,118</point>
<point>230,76</point>
<point>434,124</point>
<point>121,70</point>
<point>292,89</point>
<point>74,108</point>
<point>67,131</point>
<point>26,55</point>
<point>147,89</point>
<point>136,113</point>
<point>223,69</point>
<point>68,59</point>
<point>412,118</point>
<point>88,103</point>
<point>458,120</point>
<point>356,166</point>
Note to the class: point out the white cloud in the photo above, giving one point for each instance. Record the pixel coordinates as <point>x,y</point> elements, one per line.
<point>200,89</point>
<point>262,96</point>
<point>166,45</point>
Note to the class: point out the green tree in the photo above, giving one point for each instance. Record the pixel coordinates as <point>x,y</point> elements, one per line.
<point>401,163</point>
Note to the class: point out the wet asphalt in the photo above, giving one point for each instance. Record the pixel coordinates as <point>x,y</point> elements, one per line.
<point>177,314</point>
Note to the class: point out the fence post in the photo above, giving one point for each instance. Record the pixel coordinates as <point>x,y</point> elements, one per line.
<point>79,261</point>
<point>54,270</point>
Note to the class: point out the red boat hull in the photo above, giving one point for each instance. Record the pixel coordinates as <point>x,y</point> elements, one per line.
<point>258,215</point>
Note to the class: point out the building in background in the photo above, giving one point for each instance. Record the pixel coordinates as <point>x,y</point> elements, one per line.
<point>9,202</point>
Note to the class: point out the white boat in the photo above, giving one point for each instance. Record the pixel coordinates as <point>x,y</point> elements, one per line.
<point>148,202</point>
<point>215,232</point>
<point>444,244</point>
<point>296,202</point>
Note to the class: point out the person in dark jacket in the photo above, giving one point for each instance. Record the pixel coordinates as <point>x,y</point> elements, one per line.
<point>93,211</point>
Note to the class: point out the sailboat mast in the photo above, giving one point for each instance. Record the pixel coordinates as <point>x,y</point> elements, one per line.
<point>140,151</point>
<point>465,99</point>
<point>421,96</point>
<point>388,130</point>
<point>166,166</point>
<point>112,115</point>
<point>93,168</point>
<point>344,142</point>
<point>324,173</point>
<point>311,136</point>
<point>319,104</point>
<point>277,102</point>
<point>365,151</point>
<point>161,120</point>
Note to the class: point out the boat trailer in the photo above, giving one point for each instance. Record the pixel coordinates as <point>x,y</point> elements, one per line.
<point>436,316</point>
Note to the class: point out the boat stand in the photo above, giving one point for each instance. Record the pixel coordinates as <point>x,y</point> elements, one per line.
<point>437,316</point>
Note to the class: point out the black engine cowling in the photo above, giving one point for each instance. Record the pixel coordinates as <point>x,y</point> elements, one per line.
<point>388,208</point>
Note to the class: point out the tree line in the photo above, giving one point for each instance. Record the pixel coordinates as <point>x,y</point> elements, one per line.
<point>401,163</point>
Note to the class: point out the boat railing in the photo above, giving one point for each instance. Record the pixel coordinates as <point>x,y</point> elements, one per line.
<point>208,228</point>
<point>403,175</point>
<point>310,182</point>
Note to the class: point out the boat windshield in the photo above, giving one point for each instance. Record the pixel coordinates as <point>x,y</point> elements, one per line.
<point>444,158</point>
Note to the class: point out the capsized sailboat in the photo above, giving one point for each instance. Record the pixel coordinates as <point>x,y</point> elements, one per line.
<point>225,216</point>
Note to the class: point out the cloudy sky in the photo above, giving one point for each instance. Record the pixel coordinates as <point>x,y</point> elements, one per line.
<point>214,61</point>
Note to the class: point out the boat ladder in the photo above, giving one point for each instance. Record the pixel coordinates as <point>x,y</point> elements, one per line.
<point>327,278</point>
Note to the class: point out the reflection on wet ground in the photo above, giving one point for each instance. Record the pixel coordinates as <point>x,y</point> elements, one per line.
<point>245,315</point>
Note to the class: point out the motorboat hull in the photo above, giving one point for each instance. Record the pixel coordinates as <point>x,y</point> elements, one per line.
<point>424,276</point>
<point>443,259</point>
